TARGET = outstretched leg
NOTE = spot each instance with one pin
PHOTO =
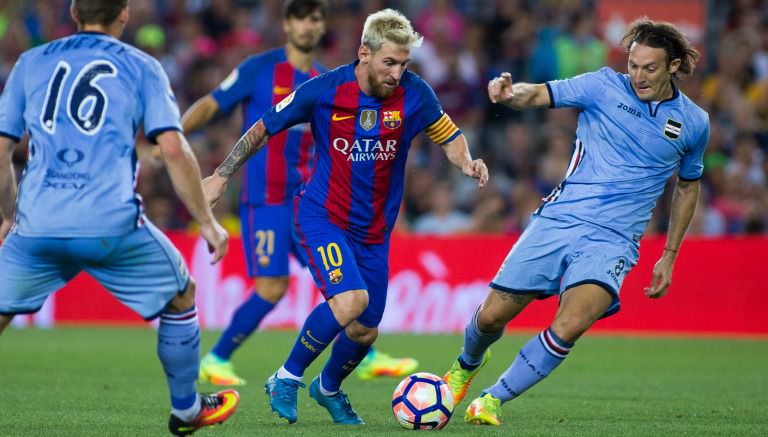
(580, 307)
(485, 328)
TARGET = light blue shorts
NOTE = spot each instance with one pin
(553, 256)
(142, 269)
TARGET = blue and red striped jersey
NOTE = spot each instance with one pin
(272, 176)
(361, 147)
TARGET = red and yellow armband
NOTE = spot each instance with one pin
(443, 130)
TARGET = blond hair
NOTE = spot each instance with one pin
(389, 25)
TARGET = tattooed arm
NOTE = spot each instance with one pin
(250, 143)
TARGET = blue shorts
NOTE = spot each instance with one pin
(338, 264)
(142, 269)
(267, 239)
(552, 256)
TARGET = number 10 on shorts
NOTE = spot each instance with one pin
(332, 259)
(331, 255)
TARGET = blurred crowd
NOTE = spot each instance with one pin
(466, 43)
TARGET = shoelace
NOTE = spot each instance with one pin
(344, 405)
(211, 401)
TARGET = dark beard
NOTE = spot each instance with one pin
(306, 48)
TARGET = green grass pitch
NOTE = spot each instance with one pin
(107, 382)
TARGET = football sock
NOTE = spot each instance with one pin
(188, 414)
(245, 320)
(284, 374)
(178, 347)
(345, 356)
(537, 359)
(318, 332)
(323, 391)
(476, 342)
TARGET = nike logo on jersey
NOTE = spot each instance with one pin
(281, 90)
(337, 117)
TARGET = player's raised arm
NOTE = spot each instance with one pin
(199, 114)
(250, 143)
(517, 95)
(185, 176)
(7, 186)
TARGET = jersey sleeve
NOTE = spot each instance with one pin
(237, 86)
(578, 91)
(12, 104)
(438, 124)
(161, 112)
(297, 107)
(692, 163)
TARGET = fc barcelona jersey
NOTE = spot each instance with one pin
(361, 147)
(260, 81)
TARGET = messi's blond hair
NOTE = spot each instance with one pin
(389, 25)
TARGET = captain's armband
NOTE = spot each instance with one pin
(443, 130)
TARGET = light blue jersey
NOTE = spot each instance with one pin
(82, 100)
(625, 151)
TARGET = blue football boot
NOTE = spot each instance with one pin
(338, 405)
(282, 396)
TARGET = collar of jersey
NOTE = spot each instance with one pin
(93, 32)
(652, 110)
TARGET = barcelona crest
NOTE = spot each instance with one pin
(391, 119)
(335, 276)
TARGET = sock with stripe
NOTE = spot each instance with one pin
(244, 321)
(345, 356)
(178, 347)
(476, 342)
(318, 332)
(535, 360)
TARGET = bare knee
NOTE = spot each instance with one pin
(348, 306)
(571, 327)
(361, 334)
(272, 288)
(489, 320)
(184, 300)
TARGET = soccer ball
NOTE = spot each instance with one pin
(422, 401)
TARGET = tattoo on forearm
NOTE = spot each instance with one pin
(245, 147)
